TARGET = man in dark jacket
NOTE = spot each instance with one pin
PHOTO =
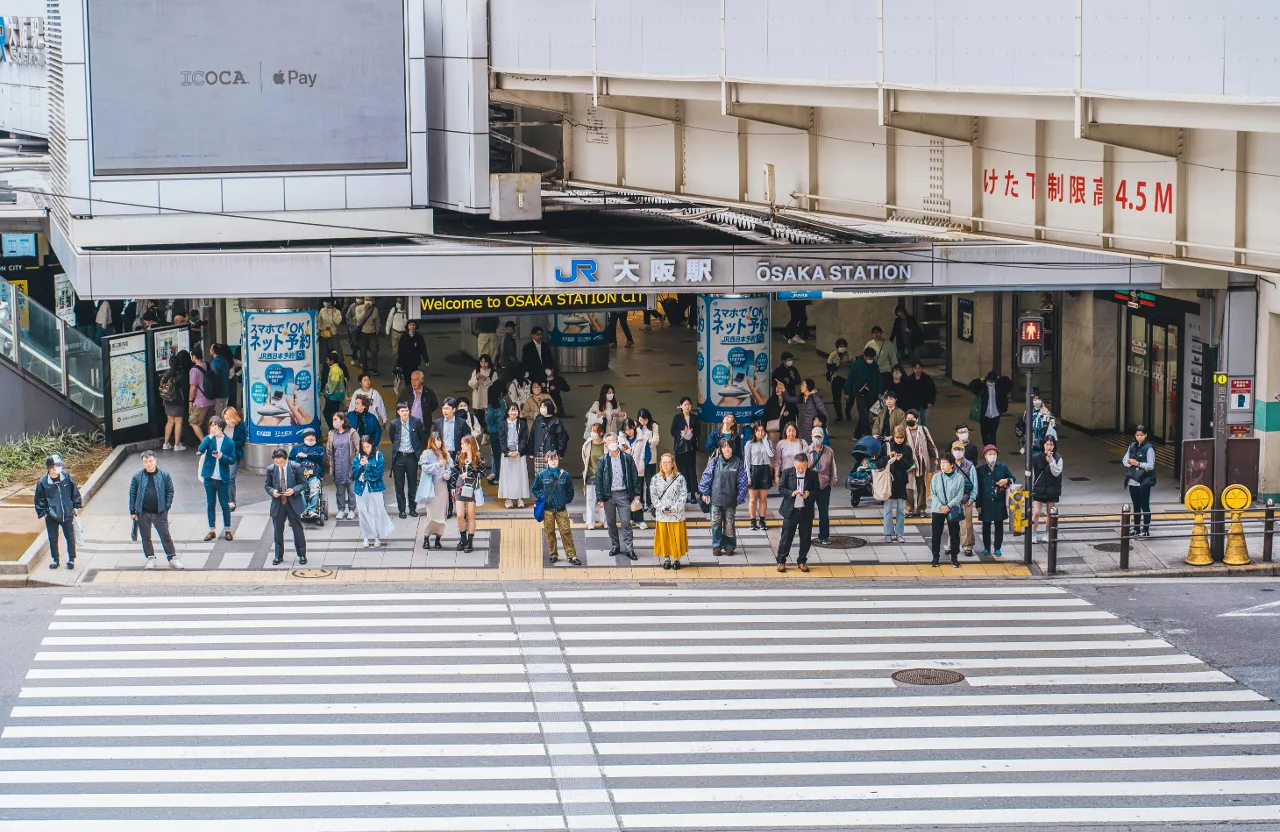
(554, 486)
(57, 502)
(862, 387)
(451, 427)
(539, 363)
(919, 393)
(150, 498)
(285, 484)
(787, 373)
(412, 352)
(990, 401)
(508, 357)
(617, 484)
(408, 437)
(797, 487)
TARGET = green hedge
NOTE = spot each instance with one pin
(29, 452)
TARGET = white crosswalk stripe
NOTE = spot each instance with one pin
(611, 709)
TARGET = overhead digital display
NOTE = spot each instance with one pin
(206, 86)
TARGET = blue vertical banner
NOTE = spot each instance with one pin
(282, 395)
(733, 357)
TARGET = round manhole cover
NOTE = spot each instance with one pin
(313, 573)
(1107, 547)
(845, 541)
(928, 676)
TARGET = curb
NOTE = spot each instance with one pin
(39, 548)
(1262, 570)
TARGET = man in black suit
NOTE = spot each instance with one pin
(450, 427)
(285, 484)
(539, 362)
(508, 359)
(408, 437)
(799, 487)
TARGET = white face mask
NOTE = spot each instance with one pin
(337, 424)
(842, 350)
(789, 362)
(991, 459)
(958, 454)
(962, 435)
(817, 439)
(57, 469)
(1035, 404)
(613, 447)
(543, 411)
(609, 397)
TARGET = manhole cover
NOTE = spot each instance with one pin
(313, 573)
(845, 541)
(1107, 547)
(928, 676)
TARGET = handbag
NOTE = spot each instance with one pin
(881, 484)
(975, 409)
(878, 407)
(540, 509)
(772, 426)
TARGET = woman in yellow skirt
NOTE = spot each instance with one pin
(669, 491)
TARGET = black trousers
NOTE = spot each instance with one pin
(986, 533)
(286, 514)
(68, 529)
(864, 416)
(801, 520)
(404, 469)
(822, 505)
(799, 323)
(989, 428)
(161, 522)
(616, 318)
(953, 528)
(686, 464)
(1141, 497)
(837, 396)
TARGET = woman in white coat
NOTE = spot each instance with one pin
(433, 490)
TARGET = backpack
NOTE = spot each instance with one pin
(211, 383)
(169, 391)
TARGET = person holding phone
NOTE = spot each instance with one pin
(368, 470)
(684, 432)
(217, 454)
(285, 484)
(797, 488)
(470, 470)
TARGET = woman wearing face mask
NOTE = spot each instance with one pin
(781, 409)
(513, 483)
(592, 450)
(894, 383)
(433, 490)
(994, 479)
(342, 446)
(926, 456)
(838, 363)
(758, 455)
(1046, 485)
(897, 456)
(959, 456)
(684, 433)
(548, 434)
(1042, 424)
(728, 430)
(607, 411)
(647, 429)
(669, 491)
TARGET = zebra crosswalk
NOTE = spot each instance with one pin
(625, 709)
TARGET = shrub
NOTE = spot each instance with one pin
(29, 452)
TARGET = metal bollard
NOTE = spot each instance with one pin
(1268, 530)
(1053, 541)
(1126, 515)
(1029, 530)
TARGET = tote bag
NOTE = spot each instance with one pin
(881, 484)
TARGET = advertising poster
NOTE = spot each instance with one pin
(734, 364)
(170, 342)
(64, 298)
(128, 381)
(579, 329)
(282, 396)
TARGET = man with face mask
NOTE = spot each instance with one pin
(329, 327)
(970, 471)
(368, 320)
(990, 401)
(994, 479)
(822, 462)
(837, 367)
(617, 484)
(787, 373)
(554, 487)
(723, 487)
(863, 387)
(970, 450)
(57, 502)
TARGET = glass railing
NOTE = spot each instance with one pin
(49, 350)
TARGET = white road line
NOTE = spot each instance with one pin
(803, 725)
(664, 621)
(278, 775)
(935, 818)
(268, 752)
(287, 654)
(793, 636)
(829, 768)
(876, 664)
(719, 685)
(659, 607)
(292, 609)
(521, 823)
(300, 625)
(289, 598)
(1031, 700)
(274, 638)
(299, 729)
(1201, 677)
(210, 709)
(318, 689)
(222, 671)
(231, 800)
(928, 647)
(801, 593)
(951, 791)
(811, 745)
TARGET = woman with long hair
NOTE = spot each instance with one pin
(758, 454)
(177, 382)
(607, 411)
(368, 470)
(684, 435)
(513, 483)
(470, 466)
(669, 492)
(341, 449)
(239, 433)
(433, 496)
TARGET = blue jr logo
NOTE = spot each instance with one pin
(587, 268)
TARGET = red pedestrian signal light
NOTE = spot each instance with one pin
(1032, 330)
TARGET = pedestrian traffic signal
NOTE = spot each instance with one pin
(1031, 342)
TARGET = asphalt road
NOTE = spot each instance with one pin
(718, 707)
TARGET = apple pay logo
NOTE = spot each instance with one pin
(294, 77)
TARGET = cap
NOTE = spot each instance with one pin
(52, 460)
(511, 324)
(307, 432)
(991, 448)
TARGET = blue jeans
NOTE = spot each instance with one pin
(889, 527)
(219, 490)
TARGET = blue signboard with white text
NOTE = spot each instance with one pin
(282, 396)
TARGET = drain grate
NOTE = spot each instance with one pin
(928, 676)
(844, 541)
(1107, 547)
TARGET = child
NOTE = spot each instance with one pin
(310, 457)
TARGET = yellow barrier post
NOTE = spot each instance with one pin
(1198, 499)
(1236, 498)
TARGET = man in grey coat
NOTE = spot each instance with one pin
(617, 484)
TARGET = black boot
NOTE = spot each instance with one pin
(935, 561)
(438, 546)
(462, 540)
(470, 541)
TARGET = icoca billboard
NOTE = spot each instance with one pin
(208, 86)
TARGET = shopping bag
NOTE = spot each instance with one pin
(881, 484)
(79, 531)
(540, 509)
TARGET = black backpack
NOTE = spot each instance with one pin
(211, 386)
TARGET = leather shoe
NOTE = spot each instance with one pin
(631, 555)
(302, 560)
(413, 512)
(277, 561)
(804, 567)
(782, 567)
(403, 515)
(210, 536)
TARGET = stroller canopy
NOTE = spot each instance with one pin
(867, 447)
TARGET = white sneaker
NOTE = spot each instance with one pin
(174, 563)
(510, 504)
(364, 541)
(798, 340)
(179, 447)
(168, 446)
(644, 525)
(376, 543)
(520, 503)
(351, 514)
(151, 563)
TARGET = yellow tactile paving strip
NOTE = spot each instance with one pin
(521, 560)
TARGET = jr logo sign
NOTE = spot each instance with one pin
(587, 268)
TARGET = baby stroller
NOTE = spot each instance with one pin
(316, 509)
(858, 482)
